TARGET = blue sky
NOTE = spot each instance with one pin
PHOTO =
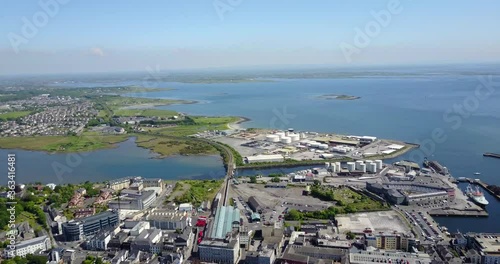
(100, 36)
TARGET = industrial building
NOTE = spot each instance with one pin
(255, 204)
(30, 246)
(311, 254)
(276, 185)
(265, 158)
(119, 184)
(222, 244)
(409, 193)
(133, 200)
(487, 245)
(390, 241)
(100, 241)
(372, 255)
(224, 251)
(168, 220)
(225, 220)
(152, 182)
(75, 230)
(149, 240)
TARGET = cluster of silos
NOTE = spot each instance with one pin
(360, 166)
(273, 138)
(283, 137)
(373, 166)
(333, 167)
(351, 166)
(365, 166)
(314, 144)
(342, 149)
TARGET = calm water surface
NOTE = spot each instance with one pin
(408, 109)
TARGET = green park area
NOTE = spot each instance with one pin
(195, 191)
(169, 146)
(13, 115)
(81, 143)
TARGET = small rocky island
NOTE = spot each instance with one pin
(338, 97)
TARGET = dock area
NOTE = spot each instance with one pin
(460, 213)
(485, 186)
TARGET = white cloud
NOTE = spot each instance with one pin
(97, 52)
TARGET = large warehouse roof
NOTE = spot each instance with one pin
(224, 219)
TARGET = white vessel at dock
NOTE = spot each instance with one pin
(476, 195)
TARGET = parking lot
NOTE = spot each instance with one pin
(384, 221)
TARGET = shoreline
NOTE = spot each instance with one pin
(237, 125)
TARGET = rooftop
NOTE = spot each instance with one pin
(488, 242)
(223, 221)
(30, 242)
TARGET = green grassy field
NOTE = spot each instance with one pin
(145, 112)
(166, 147)
(14, 114)
(201, 124)
(198, 191)
(62, 143)
(118, 102)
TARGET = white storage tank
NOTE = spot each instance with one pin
(326, 155)
(371, 167)
(358, 164)
(333, 168)
(302, 135)
(379, 164)
(362, 167)
(295, 137)
(280, 134)
(351, 166)
(327, 165)
(323, 146)
(286, 140)
(337, 166)
(273, 138)
(339, 150)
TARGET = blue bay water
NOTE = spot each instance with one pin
(407, 109)
(98, 166)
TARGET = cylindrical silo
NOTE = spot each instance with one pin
(333, 168)
(362, 167)
(379, 164)
(273, 138)
(337, 166)
(358, 164)
(351, 166)
(286, 140)
(371, 167)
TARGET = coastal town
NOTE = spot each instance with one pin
(337, 213)
(348, 205)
